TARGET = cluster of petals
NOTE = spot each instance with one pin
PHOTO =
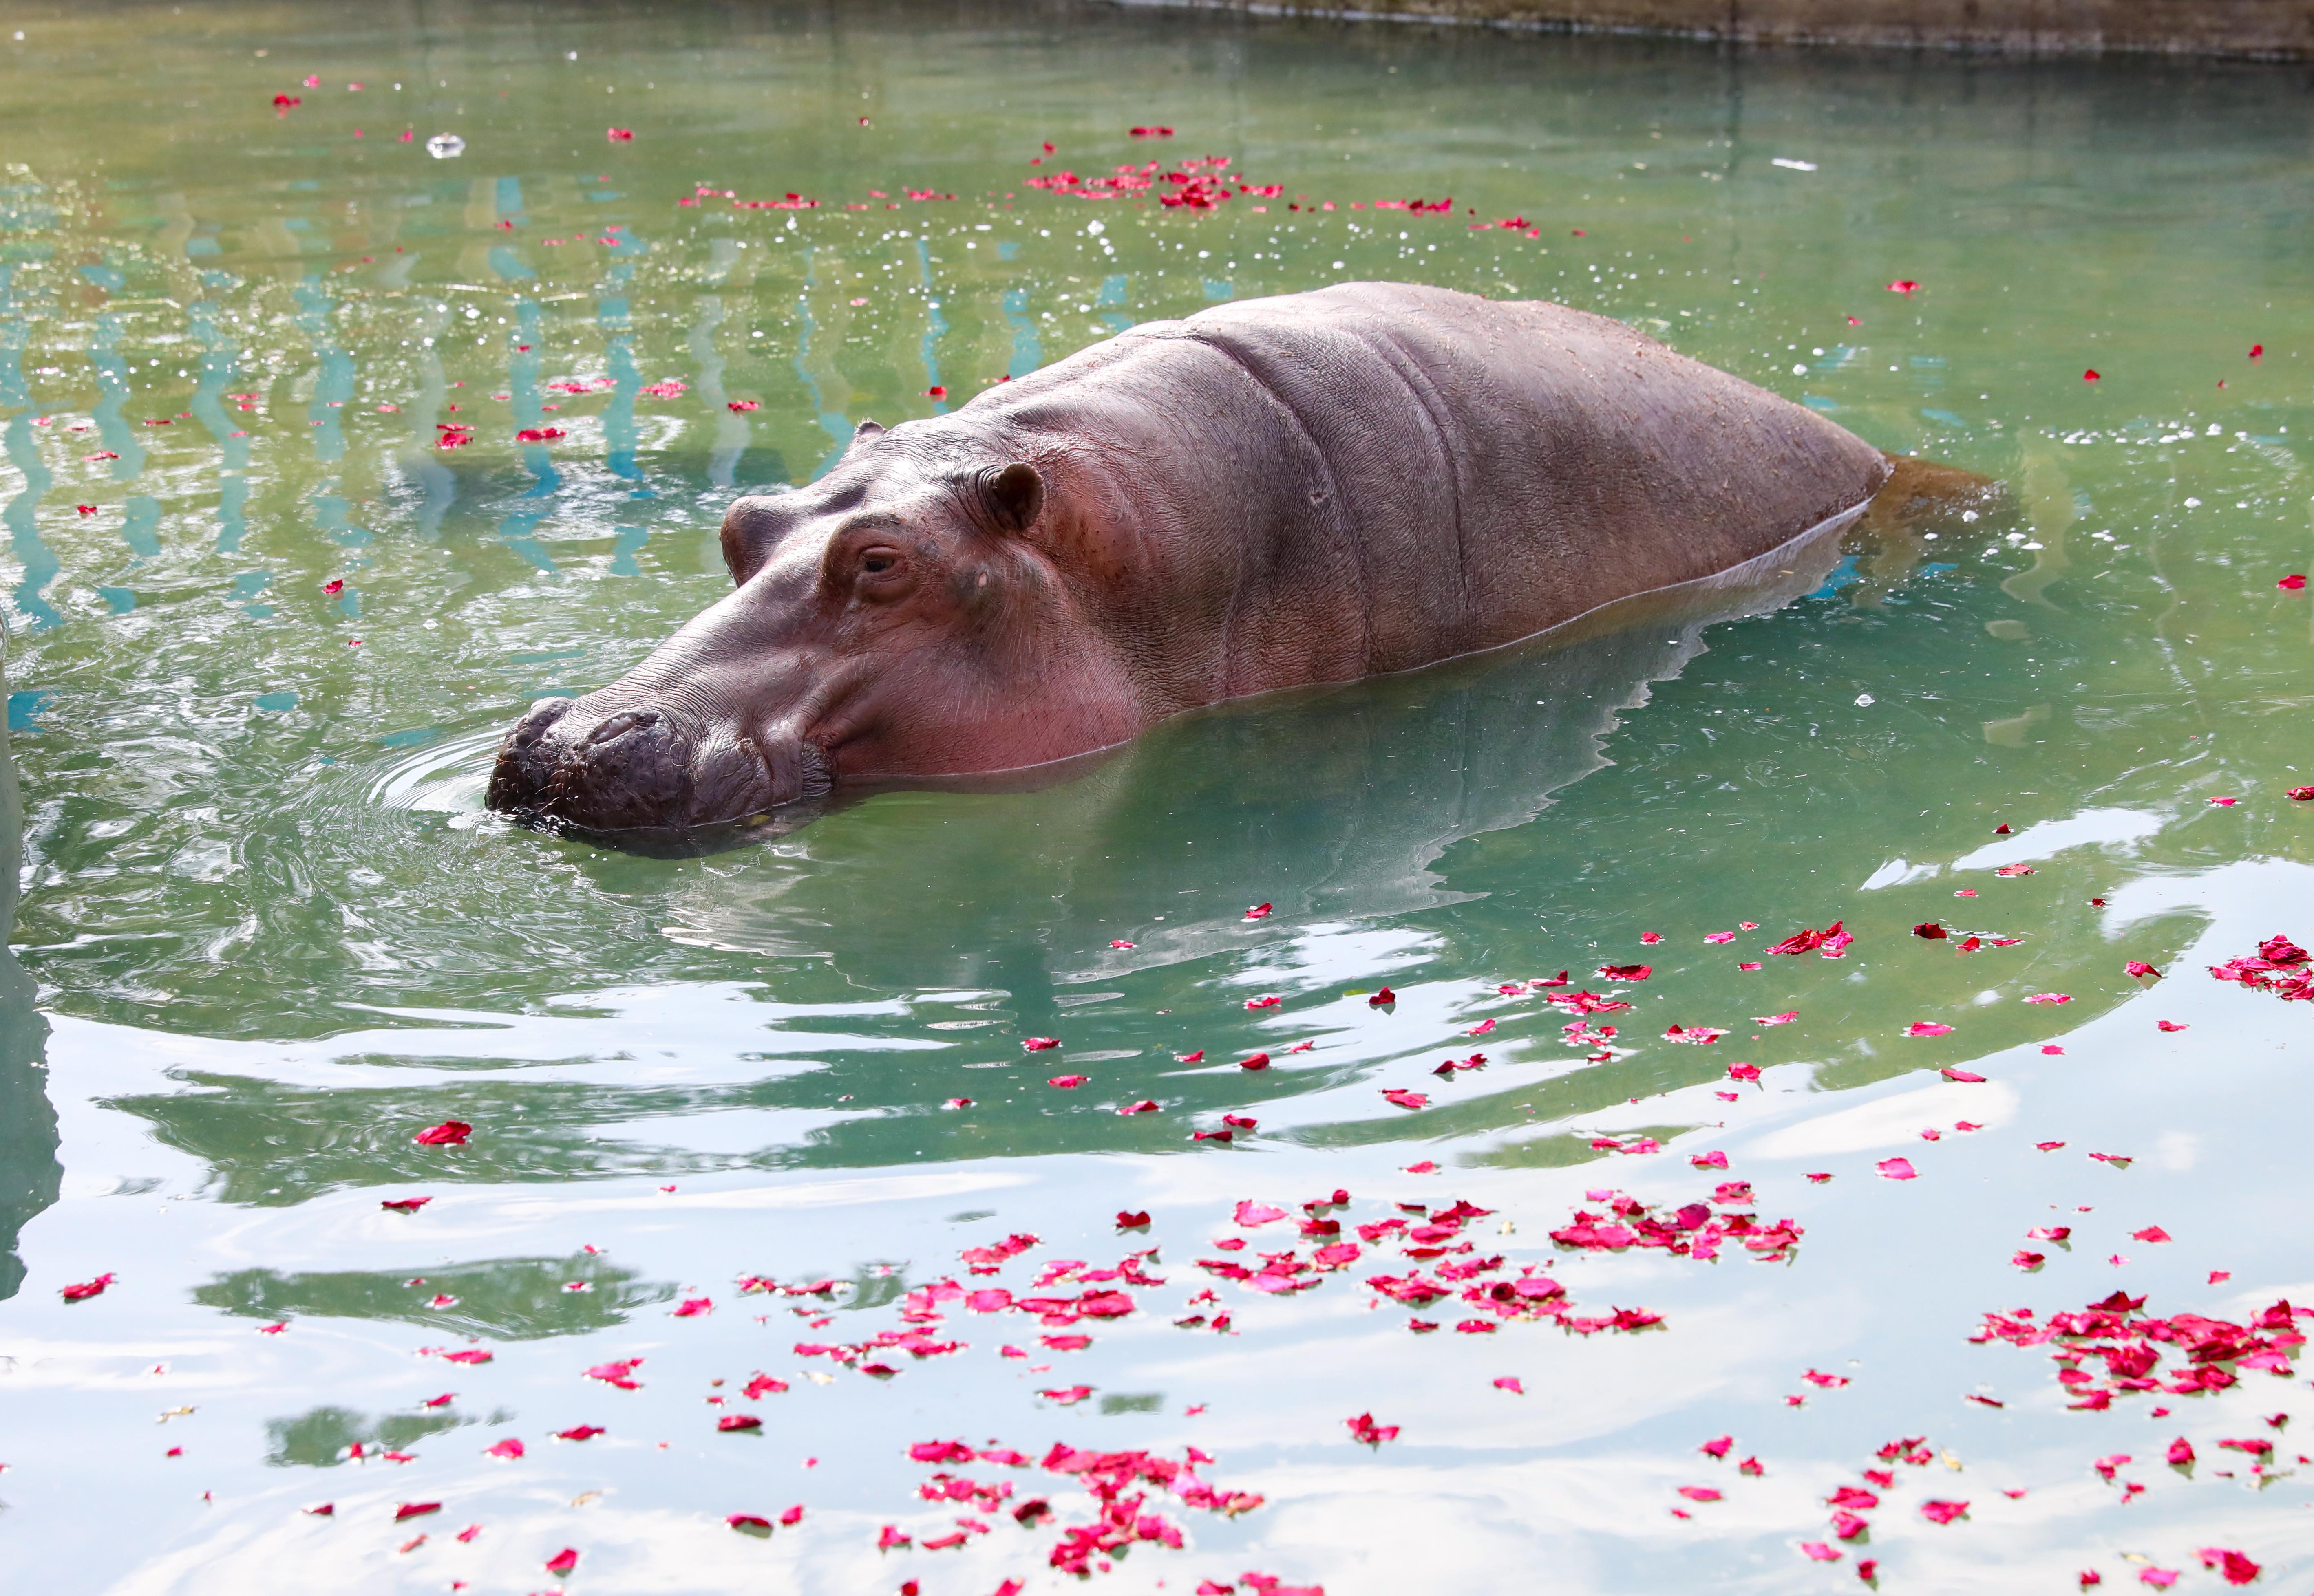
(2117, 1333)
(2281, 966)
(1692, 1230)
(1112, 1479)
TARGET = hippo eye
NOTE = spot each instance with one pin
(878, 560)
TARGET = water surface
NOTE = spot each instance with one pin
(264, 934)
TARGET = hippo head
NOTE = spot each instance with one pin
(904, 617)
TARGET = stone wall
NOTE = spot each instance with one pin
(2267, 30)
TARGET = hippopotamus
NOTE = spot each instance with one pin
(1273, 493)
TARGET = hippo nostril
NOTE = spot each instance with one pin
(523, 767)
(621, 724)
(633, 769)
(536, 721)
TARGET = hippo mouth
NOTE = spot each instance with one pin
(648, 778)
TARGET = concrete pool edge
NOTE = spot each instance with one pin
(2239, 30)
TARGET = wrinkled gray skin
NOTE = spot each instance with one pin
(1309, 488)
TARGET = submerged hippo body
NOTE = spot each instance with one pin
(1310, 488)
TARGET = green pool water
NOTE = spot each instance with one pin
(265, 628)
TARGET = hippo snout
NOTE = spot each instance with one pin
(526, 760)
(635, 768)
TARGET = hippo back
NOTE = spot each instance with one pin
(1373, 477)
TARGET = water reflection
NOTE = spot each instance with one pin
(30, 1174)
(501, 1299)
(40, 563)
(325, 1437)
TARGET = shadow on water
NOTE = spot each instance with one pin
(1334, 804)
(30, 1174)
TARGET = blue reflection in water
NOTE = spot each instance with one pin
(522, 386)
(1116, 290)
(24, 709)
(245, 588)
(219, 363)
(1028, 351)
(419, 465)
(731, 429)
(140, 526)
(333, 384)
(1841, 575)
(619, 415)
(333, 515)
(21, 515)
(522, 370)
(517, 530)
(111, 370)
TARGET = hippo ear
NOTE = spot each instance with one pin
(1015, 494)
(865, 433)
(751, 528)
